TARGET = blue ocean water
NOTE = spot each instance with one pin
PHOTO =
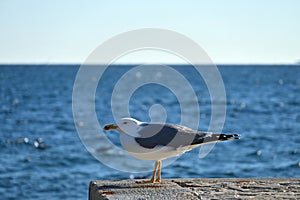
(42, 156)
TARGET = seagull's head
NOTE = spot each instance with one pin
(124, 125)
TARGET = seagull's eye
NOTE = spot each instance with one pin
(125, 122)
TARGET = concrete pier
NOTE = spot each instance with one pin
(198, 188)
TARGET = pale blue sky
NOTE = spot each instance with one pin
(230, 31)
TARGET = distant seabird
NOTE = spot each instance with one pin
(158, 141)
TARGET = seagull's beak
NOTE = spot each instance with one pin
(110, 127)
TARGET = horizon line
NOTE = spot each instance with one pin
(170, 63)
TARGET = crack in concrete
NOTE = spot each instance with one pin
(191, 191)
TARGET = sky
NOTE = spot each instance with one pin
(231, 31)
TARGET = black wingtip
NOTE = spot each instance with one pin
(236, 136)
(229, 137)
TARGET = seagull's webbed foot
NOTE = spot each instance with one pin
(147, 181)
(158, 180)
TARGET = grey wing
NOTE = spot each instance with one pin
(155, 134)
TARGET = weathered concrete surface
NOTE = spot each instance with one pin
(206, 188)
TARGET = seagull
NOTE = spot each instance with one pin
(159, 141)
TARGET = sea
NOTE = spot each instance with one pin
(42, 155)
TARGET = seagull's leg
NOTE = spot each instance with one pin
(156, 166)
(158, 172)
(152, 180)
